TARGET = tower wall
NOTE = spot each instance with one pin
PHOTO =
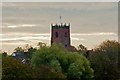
(60, 33)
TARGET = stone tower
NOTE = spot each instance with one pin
(60, 33)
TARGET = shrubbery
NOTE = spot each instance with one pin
(55, 62)
(71, 64)
(104, 60)
(15, 70)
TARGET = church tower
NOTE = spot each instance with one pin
(60, 33)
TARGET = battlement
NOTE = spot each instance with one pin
(60, 26)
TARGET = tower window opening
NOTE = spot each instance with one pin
(65, 34)
(56, 34)
(66, 45)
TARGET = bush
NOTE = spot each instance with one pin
(71, 64)
(14, 69)
(105, 60)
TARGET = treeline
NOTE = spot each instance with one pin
(55, 62)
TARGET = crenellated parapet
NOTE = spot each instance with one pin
(60, 26)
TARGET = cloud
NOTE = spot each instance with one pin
(72, 34)
(77, 39)
(23, 25)
(27, 37)
(12, 26)
(60, 1)
(14, 41)
(28, 25)
(24, 39)
(84, 17)
(95, 34)
(74, 5)
(30, 22)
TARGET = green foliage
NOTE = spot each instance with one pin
(44, 72)
(13, 69)
(71, 64)
(19, 49)
(56, 62)
(0, 65)
(4, 54)
(82, 49)
(46, 56)
(30, 51)
(79, 67)
(41, 44)
(105, 59)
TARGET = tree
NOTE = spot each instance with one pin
(71, 64)
(1, 65)
(82, 49)
(13, 70)
(105, 59)
(41, 44)
(79, 67)
(45, 72)
(30, 51)
(4, 54)
(19, 49)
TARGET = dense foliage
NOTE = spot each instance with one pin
(72, 65)
(14, 69)
(56, 63)
(104, 60)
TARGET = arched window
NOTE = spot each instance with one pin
(65, 34)
(56, 34)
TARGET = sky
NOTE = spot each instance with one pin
(29, 22)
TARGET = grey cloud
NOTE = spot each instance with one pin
(61, 1)
(36, 29)
(67, 5)
(84, 18)
(14, 41)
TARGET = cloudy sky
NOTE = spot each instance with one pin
(29, 22)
